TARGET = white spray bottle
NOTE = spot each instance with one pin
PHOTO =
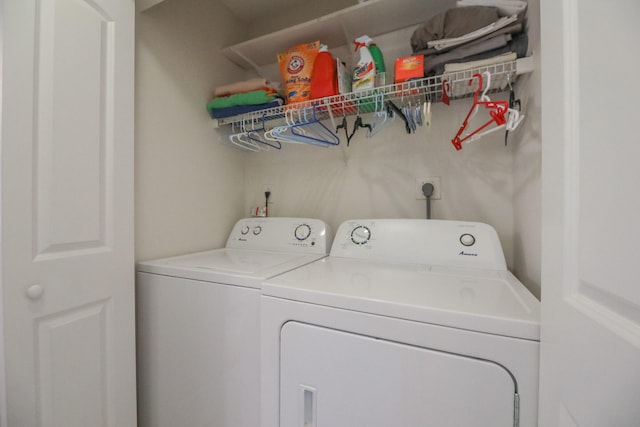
(364, 73)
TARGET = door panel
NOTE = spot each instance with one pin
(73, 130)
(590, 299)
(80, 331)
(606, 151)
(67, 212)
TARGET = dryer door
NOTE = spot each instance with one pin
(332, 378)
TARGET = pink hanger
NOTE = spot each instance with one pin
(497, 111)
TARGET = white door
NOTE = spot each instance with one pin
(590, 352)
(67, 212)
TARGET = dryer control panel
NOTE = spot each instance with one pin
(430, 242)
(305, 235)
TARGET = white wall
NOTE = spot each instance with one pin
(527, 169)
(3, 383)
(375, 178)
(189, 188)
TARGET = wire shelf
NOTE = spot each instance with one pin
(413, 92)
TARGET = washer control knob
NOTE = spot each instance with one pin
(360, 235)
(467, 239)
(303, 231)
(257, 230)
(244, 230)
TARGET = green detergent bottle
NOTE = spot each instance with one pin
(381, 72)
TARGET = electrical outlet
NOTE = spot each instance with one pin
(435, 181)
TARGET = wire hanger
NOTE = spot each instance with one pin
(497, 111)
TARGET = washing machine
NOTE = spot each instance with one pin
(407, 323)
(198, 323)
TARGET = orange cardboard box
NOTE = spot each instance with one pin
(409, 67)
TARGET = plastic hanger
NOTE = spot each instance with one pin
(408, 113)
(282, 133)
(497, 111)
(381, 118)
(307, 130)
(343, 125)
(446, 92)
(325, 106)
(254, 135)
(357, 124)
(400, 114)
(240, 140)
(514, 117)
(418, 117)
(319, 132)
(427, 112)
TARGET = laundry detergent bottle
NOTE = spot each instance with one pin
(378, 60)
(364, 73)
(324, 80)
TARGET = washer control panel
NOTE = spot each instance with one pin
(430, 242)
(306, 235)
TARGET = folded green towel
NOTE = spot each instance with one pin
(256, 97)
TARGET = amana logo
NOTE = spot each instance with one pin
(467, 253)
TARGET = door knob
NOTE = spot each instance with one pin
(34, 292)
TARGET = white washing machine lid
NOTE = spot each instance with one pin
(241, 267)
(487, 301)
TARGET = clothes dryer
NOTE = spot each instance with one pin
(198, 323)
(406, 323)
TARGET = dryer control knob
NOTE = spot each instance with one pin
(257, 230)
(360, 235)
(467, 239)
(303, 231)
(244, 230)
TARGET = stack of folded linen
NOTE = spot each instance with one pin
(244, 97)
(475, 30)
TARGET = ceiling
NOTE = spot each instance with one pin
(254, 10)
(250, 10)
